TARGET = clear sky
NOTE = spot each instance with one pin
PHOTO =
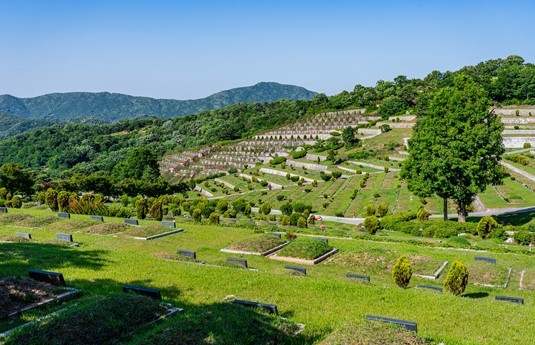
(191, 49)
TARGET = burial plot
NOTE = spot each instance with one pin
(409, 325)
(240, 262)
(359, 277)
(131, 221)
(153, 293)
(187, 253)
(296, 269)
(270, 308)
(25, 235)
(64, 215)
(54, 278)
(510, 299)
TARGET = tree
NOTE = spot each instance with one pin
(15, 178)
(402, 272)
(141, 208)
(348, 136)
(51, 199)
(156, 211)
(457, 278)
(141, 163)
(456, 146)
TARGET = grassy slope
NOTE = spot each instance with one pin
(323, 300)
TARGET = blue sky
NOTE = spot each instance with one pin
(188, 50)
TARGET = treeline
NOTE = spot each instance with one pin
(63, 151)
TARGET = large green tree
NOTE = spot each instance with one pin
(15, 178)
(456, 146)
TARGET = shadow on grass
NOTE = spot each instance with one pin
(517, 218)
(475, 295)
(18, 258)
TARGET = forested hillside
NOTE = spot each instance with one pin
(111, 107)
(63, 150)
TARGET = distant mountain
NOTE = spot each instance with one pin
(113, 106)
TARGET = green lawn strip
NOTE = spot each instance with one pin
(527, 168)
(96, 320)
(491, 198)
(522, 179)
(305, 248)
(391, 180)
(486, 273)
(520, 192)
(528, 279)
(103, 264)
(257, 244)
(341, 199)
(282, 180)
(317, 204)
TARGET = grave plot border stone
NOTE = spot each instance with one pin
(97, 218)
(271, 308)
(359, 277)
(64, 215)
(409, 325)
(25, 235)
(238, 261)
(153, 293)
(304, 261)
(435, 275)
(518, 300)
(153, 237)
(129, 221)
(54, 278)
(69, 294)
(486, 259)
(430, 287)
(504, 285)
(3, 209)
(266, 253)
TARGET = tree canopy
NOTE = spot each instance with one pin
(456, 146)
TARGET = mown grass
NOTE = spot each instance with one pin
(257, 244)
(325, 301)
(305, 248)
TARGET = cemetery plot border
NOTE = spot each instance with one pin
(271, 308)
(409, 325)
(54, 278)
(315, 261)
(65, 296)
(153, 293)
(504, 285)
(153, 237)
(435, 275)
(266, 253)
(361, 277)
(430, 287)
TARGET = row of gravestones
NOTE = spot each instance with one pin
(65, 215)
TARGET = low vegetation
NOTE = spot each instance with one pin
(305, 248)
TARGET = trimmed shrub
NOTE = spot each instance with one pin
(422, 213)
(141, 208)
(382, 209)
(16, 202)
(247, 210)
(214, 218)
(457, 278)
(298, 154)
(196, 215)
(485, 226)
(371, 224)
(265, 208)
(336, 174)
(51, 199)
(302, 222)
(370, 210)
(156, 211)
(523, 237)
(402, 272)
(285, 220)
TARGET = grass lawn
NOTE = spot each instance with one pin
(325, 300)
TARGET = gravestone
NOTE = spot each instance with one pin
(3, 209)
(153, 293)
(432, 287)
(97, 218)
(489, 260)
(241, 262)
(270, 308)
(510, 299)
(131, 221)
(54, 278)
(64, 237)
(297, 269)
(25, 235)
(276, 234)
(64, 215)
(169, 224)
(187, 253)
(358, 276)
(409, 325)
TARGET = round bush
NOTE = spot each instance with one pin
(457, 278)
(372, 224)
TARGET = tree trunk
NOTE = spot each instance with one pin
(462, 212)
(445, 208)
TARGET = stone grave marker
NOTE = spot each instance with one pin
(510, 299)
(276, 234)
(432, 287)
(25, 235)
(153, 293)
(483, 258)
(271, 308)
(64, 237)
(169, 224)
(187, 253)
(241, 262)
(358, 276)
(409, 325)
(297, 269)
(97, 218)
(64, 215)
(3, 209)
(54, 278)
(131, 221)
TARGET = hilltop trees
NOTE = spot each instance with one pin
(456, 146)
(14, 178)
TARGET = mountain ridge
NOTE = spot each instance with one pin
(113, 107)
